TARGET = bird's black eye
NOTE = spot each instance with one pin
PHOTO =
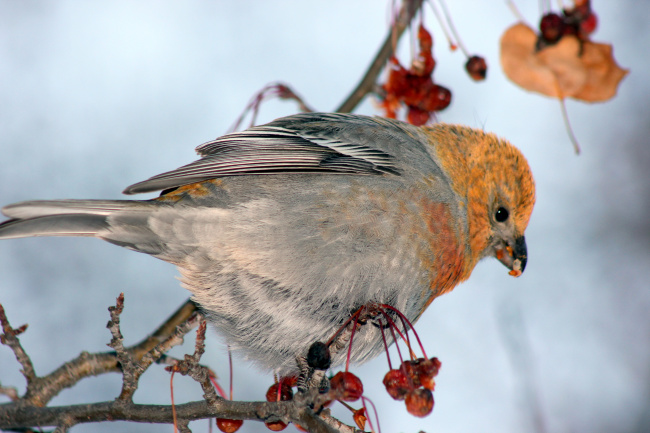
(501, 215)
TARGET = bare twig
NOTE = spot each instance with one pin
(21, 415)
(190, 366)
(367, 83)
(130, 368)
(10, 392)
(9, 337)
(42, 389)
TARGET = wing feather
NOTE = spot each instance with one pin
(279, 147)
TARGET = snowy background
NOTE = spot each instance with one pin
(95, 96)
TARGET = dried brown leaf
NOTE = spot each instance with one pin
(603, 73)
(581, 70)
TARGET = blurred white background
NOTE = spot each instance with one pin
(95, 96)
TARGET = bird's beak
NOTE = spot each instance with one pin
(514, 256)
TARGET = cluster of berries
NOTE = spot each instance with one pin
(579, 21)
(414, 87)
(413, 382)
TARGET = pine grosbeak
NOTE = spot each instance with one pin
(283, 230)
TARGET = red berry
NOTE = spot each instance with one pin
(419, 402)
(438, 98)
(424, 38)
(417, 116)
(397, 81)
(397, 384)
(552, 27)
(427, 369)
(589, 24)
(423, 65)
(421, 371)
(410, 370)
(347, 386)
(476, 68)
(285, 392)
(229, 425)
(570, 30)
(275, 425)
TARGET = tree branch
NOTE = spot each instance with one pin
(14, 416)
(367, 83)
(9, 337)
(40, 390)
(30, 411)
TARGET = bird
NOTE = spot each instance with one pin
(281, 231)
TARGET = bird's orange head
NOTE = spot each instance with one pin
(495, 182)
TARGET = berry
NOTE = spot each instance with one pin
(426, 370)
(589, 24)
(319, 356)
(410, 370)
(476, 68)
(397, 384)
(438, 98)
(229, 425)
(397, 81)
(551, 27)
(347, 386)
(421, 372)
(275, 425)
(417, 117)
(286, 393)
(419, 402)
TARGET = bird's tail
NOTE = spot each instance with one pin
(121, 222)
(57, 218)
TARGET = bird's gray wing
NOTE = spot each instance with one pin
(304, 143)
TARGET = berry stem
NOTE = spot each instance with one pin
(443, 26)
(230, 366)
(515, 11)
(393, 32)
(403, 317)
(406, 330)
(383, 338)
(345, 324)
(567, 125)
(347, 406)
(452, 28)
(374, 409)
(171, 390)
(399, 352)
(218, 387)
(354, 328)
